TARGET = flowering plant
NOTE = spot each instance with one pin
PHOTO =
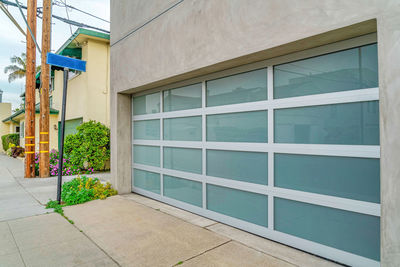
(67, 167)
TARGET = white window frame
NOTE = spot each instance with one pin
(362, 151)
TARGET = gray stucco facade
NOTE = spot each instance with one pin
(158, 42)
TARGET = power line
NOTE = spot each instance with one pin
(68, 21)
(27, 24)
(66, 11)
(61, 4)
(145, 23)
(8, 14)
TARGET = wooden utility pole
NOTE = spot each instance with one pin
(44, 137)
(30, 92)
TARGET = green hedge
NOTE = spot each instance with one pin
(9, 138)
(89, 148)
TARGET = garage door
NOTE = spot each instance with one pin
(287, 149)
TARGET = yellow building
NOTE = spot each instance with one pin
(6, 128)
(16, 124)
(88, 96)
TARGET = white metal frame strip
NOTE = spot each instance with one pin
(161, 146)
(359, 151)
(203, 143)
(270, 95)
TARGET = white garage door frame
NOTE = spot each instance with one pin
(362, 151)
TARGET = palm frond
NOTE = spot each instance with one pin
(15, 75)
(12, 68)
(18, 69)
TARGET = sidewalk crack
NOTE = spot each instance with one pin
(15, 241)
(195, 256)
(105, 252)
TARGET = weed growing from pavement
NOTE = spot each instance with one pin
(80, 190)
(53, 204)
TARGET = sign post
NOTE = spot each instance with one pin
(66, 63)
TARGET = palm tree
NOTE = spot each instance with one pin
(18, 68)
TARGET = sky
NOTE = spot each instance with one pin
(12, 42)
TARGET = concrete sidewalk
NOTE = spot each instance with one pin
(48, 240)
(29, 236)
(15, 201)
(21, 197)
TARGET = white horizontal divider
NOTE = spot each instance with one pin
(361, 151)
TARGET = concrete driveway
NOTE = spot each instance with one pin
(138, 231)
(124, 230)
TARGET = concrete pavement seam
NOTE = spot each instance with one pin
(195, 256)
(96, 244)
(29, 193)
(15, 241)
(263, 252)
(28, 216)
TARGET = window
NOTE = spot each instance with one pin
(22, 130)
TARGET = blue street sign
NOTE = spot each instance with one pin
(66, 62)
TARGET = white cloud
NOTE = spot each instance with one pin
(12, 98)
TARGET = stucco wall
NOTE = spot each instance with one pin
(98, 71)
(88, 94)
(5, 111)
(198, 34)
(200, 37)
(76, 92)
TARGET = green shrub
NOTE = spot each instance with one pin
(90, 146)
(8, 139)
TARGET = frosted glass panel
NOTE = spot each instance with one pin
(148, 155)
(149, 181)
(183, 129)
(146, 104)
(251, 167)
(349, 231)
(244, 87)
(356, 178)
(183, 98)
(350, 69)
(148, 130)
(183, 159)
(183, 190)
(350, 124)
(238, 127)
(242, 205)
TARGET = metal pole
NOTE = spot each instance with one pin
(61, 144)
